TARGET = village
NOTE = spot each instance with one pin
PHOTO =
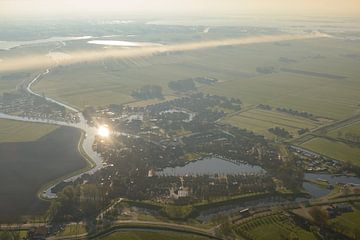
(21, 103)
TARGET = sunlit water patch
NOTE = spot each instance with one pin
(123, 43)
(212, 165)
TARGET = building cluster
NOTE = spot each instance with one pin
(339, 209)
(29, 106)
(314, 162)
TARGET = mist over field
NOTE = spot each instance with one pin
(36, 61)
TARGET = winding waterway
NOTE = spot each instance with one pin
(90, 133)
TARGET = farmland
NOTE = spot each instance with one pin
(260, 121)
(339, 132)
(334, 149)
(309, 79)
(41, 161)
(339, 141)
(12, 131)
(273, 227)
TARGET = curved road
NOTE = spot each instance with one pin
(90, 133)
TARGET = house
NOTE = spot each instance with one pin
(334, 211)
(182, 192)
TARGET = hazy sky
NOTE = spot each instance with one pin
(48, 8)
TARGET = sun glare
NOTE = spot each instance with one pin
(103, 131)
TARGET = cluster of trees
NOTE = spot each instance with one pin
(206, 80)
(264, 106)
(88, 113)
(296, 113)
(148, 92)
(75, 203)
(281, 132)
(291, 175)
(303, 130)
(182, 85)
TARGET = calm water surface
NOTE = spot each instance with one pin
(317, 191)
(212, 165)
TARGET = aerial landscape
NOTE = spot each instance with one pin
(197, 120)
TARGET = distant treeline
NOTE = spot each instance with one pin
(288, 111)
(189, 84)
(349, 137)
(265, 70)
(148, 92)
(264, 106)
(206, 80)
(297, 113)
(182, 85)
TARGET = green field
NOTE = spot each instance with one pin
(151, 235)
(72, 229)
(143, 103)
(18, 234)
(7, 85)
(353, 128)
(259, 121)
(322, 96)
(14, 131)
(112, 80)
(274, 227)
(334, 149)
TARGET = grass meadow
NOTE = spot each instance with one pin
(259, 121)
(14, 131)
(334, 149)
(352, 128)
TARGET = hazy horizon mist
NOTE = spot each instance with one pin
(14, 9)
